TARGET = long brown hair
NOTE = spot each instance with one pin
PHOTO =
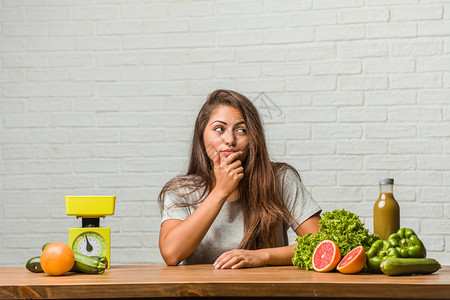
(260, 190)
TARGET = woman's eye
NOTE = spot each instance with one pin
(219, 129)
(242, 130)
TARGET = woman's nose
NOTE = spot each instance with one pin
(230, 139)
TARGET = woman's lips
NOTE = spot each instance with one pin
(228, 152)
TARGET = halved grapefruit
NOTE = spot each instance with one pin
(326, 256)
(353, 262)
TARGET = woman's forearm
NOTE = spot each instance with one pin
(279, 256)
(180, 238)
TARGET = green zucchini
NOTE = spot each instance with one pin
(409, 266)
(34, 265)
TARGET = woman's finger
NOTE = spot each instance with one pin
(216, 159)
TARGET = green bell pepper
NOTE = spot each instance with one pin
(402, 244)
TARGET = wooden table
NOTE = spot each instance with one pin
(159, 281)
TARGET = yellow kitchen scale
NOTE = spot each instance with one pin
(90, 239)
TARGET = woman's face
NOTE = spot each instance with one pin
(226, 132)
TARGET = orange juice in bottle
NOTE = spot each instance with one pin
(386, 211)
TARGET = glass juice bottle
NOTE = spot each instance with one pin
(386, 211)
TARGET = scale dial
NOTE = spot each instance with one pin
(90, 243)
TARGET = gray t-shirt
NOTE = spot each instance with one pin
(227, 230)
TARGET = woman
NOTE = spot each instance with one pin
(234, 206)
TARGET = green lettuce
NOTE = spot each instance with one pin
(341, 226)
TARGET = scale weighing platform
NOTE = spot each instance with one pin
(90, 239)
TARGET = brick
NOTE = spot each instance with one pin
(310, 147)
(363, 82)
(434, 131)
(326, 4)
(434, 28)
(312, 52)
(434, 162)
(97, 135)
(337, 194)
(71, 29)
(12, 136)
(27, 182)
(287, 5)
(142, 135)
(439, 97)
(81, 89)
(414, 114)
(49, 167)
(12, 15)
(257, 54)
(144, 11)
(49, 44)
(116, 90)
(427, 80)
(435, 227)
(433, 243)
(151, 240)
(340, 33)
(26, 120)
(338, 67)
(144, 165)
(363, 179)
(311, 83)
(24, 29)
(336, 131)
(255, 85)
(312, 18)
(418, 47)
(215, 24)
(336, 162)
(390, 65)
(11, 76)
(202, 55)
(72, 181)
(253, 22)
(96, 166)
(191, 9)
(403, 162)
(417, 178)
(239, 7)
(416, 147)
(119, 120)
(95, 13)
(12, 106)
(126, 240)
(433, 64)
(13, 227)
(47, 75)
(73, 119)
(24, 152)
(310, 115)
(390, 2)
(71, 151)
(12, 168)
(390, 131)
(321, 178)
(362, 114)
(188, 72)
(286, 36)
(364, 15)
(237, 70)
(104, 43)
(240, 38)
(48, 226)
(117, 151)
(362, 147)
(359, 49)
(289, 69)
(418, 12)
(390, 98)
(287, 132)
(47, 14)
(29, 60)
(175, 149)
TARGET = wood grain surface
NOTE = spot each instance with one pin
(159, 281)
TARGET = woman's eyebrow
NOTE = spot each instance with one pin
(225, 123)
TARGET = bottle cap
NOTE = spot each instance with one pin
(386, 181)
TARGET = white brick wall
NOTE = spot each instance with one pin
(100, 96)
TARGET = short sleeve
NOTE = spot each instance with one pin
(297, 199)
(172, 210)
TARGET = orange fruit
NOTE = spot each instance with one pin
(326, 256)
(353, 262)
(57, 259)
